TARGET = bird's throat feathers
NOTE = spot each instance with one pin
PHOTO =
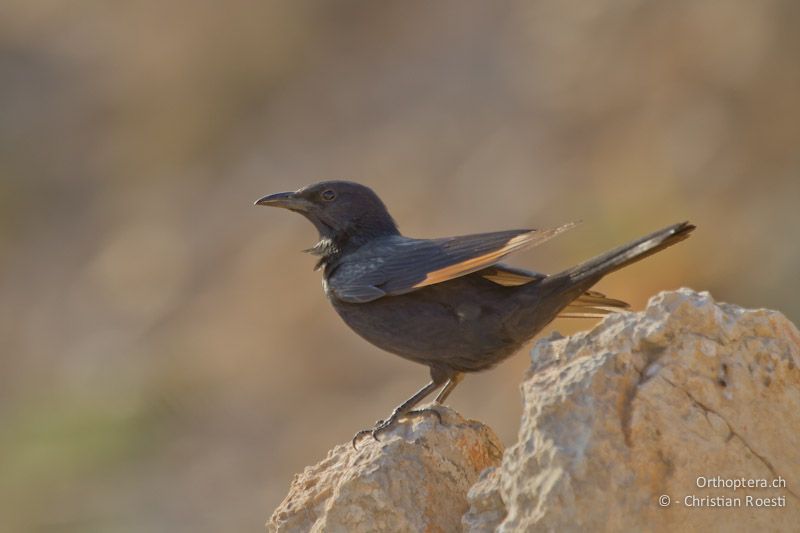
(326, 249)
(333, 242)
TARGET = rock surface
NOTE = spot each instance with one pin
(415, 479)
(616, 420)
(640, 407)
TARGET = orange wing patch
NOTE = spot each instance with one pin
(476, 263)
(508, 279)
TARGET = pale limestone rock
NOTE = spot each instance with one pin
(614, 418)
(415, 479)
(640, 407)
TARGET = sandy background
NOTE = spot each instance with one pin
(168, 358)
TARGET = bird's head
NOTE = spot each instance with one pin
(340, 210)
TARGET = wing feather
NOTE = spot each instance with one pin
(510, 276)
(478, 262)
(397, 265)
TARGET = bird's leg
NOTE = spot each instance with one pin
(399, 411)
(454, 380)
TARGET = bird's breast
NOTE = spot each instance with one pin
(460, 323)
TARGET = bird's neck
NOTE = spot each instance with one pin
(335, 243)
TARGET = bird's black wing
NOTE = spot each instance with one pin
(397, 265)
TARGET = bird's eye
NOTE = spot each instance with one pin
(329, 195)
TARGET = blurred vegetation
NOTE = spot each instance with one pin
(168, 358)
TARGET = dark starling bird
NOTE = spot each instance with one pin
(446, 303)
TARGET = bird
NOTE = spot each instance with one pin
(447, 303)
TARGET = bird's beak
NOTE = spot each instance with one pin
(286, 200)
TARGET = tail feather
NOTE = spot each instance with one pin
(593, 304)
(624, 255)
(565, 293)
(571, 285)
(595, 298)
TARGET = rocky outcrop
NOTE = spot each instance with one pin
(621, 421)
(415, 478)
(669, 419)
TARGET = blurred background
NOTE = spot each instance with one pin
(168, 358)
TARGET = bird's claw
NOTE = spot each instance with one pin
(380, 425)
(363, 433)
(383, 425)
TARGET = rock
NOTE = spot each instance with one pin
(415, 479)
(666, 403)
(677, 402)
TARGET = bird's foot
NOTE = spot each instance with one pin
(379, 426)
(384, 425)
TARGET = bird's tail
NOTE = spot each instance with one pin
(629, 253)
(579, 278)
(593, 304)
